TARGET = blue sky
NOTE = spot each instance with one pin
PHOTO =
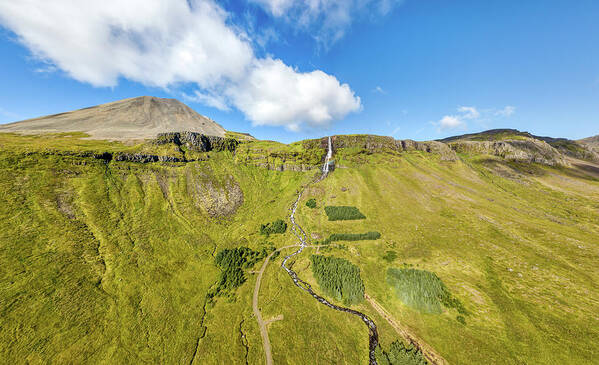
(288, 70)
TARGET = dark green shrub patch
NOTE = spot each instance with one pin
(232, 262)
(278, 226)
(422, 290)
(400, 354)
(338, 278)
(390, 256)
(311, 203)
(343, 213)
(351, 237)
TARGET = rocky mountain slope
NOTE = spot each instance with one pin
(129, 119)
(592, 142)
(514, 145)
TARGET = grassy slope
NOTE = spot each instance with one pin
(471, 227)
(113, 262)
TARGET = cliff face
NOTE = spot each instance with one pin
(197, 141)
(375, 144)
(528, 150)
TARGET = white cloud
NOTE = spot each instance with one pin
(464, 113)
(327, 19)
(213, 100)
(276, 94)
(166, 43)
(468, 112)
(276, 7)
(506, 111)
(451, 122)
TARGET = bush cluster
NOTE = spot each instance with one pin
(311, 203)
(351, 237)
(278, 226)
(400, 354)
(232, 262)
(338, 278)
(343, 213)
(390, 256)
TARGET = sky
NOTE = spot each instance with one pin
(288, 70)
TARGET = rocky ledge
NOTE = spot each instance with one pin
(197, 141)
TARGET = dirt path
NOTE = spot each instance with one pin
(261, 322)
(430, 355)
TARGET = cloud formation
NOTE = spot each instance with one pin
(468, 112)
(506, 111)
(465, 113)
(167, 43)
(451, 122)
(328, 20)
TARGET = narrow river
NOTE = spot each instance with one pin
(297, 230)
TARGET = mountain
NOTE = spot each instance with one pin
(169, 250)
(129, 119)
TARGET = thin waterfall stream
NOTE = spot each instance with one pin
(297, 230)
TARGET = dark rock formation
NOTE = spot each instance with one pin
(145, 158)
(197, 141)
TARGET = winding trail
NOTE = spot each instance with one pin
(261, 322)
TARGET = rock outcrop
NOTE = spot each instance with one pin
(527, 150)
(145, 158)
(197, 141)
(218, 196)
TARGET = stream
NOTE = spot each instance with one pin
(297, 230)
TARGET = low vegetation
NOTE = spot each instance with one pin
(400, 354)
(351, 237)
(278, 226)
(343, 213)
(422, 290)
(232, 262)
(390, 256)
(311, 203)
(338, 278)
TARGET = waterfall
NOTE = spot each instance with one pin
(325, 168)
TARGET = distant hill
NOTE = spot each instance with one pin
(490, 135)
(129, 119)
(525, 142)
(591, 141)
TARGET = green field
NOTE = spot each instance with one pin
(107, 261)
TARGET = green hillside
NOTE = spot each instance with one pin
(119, 261)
